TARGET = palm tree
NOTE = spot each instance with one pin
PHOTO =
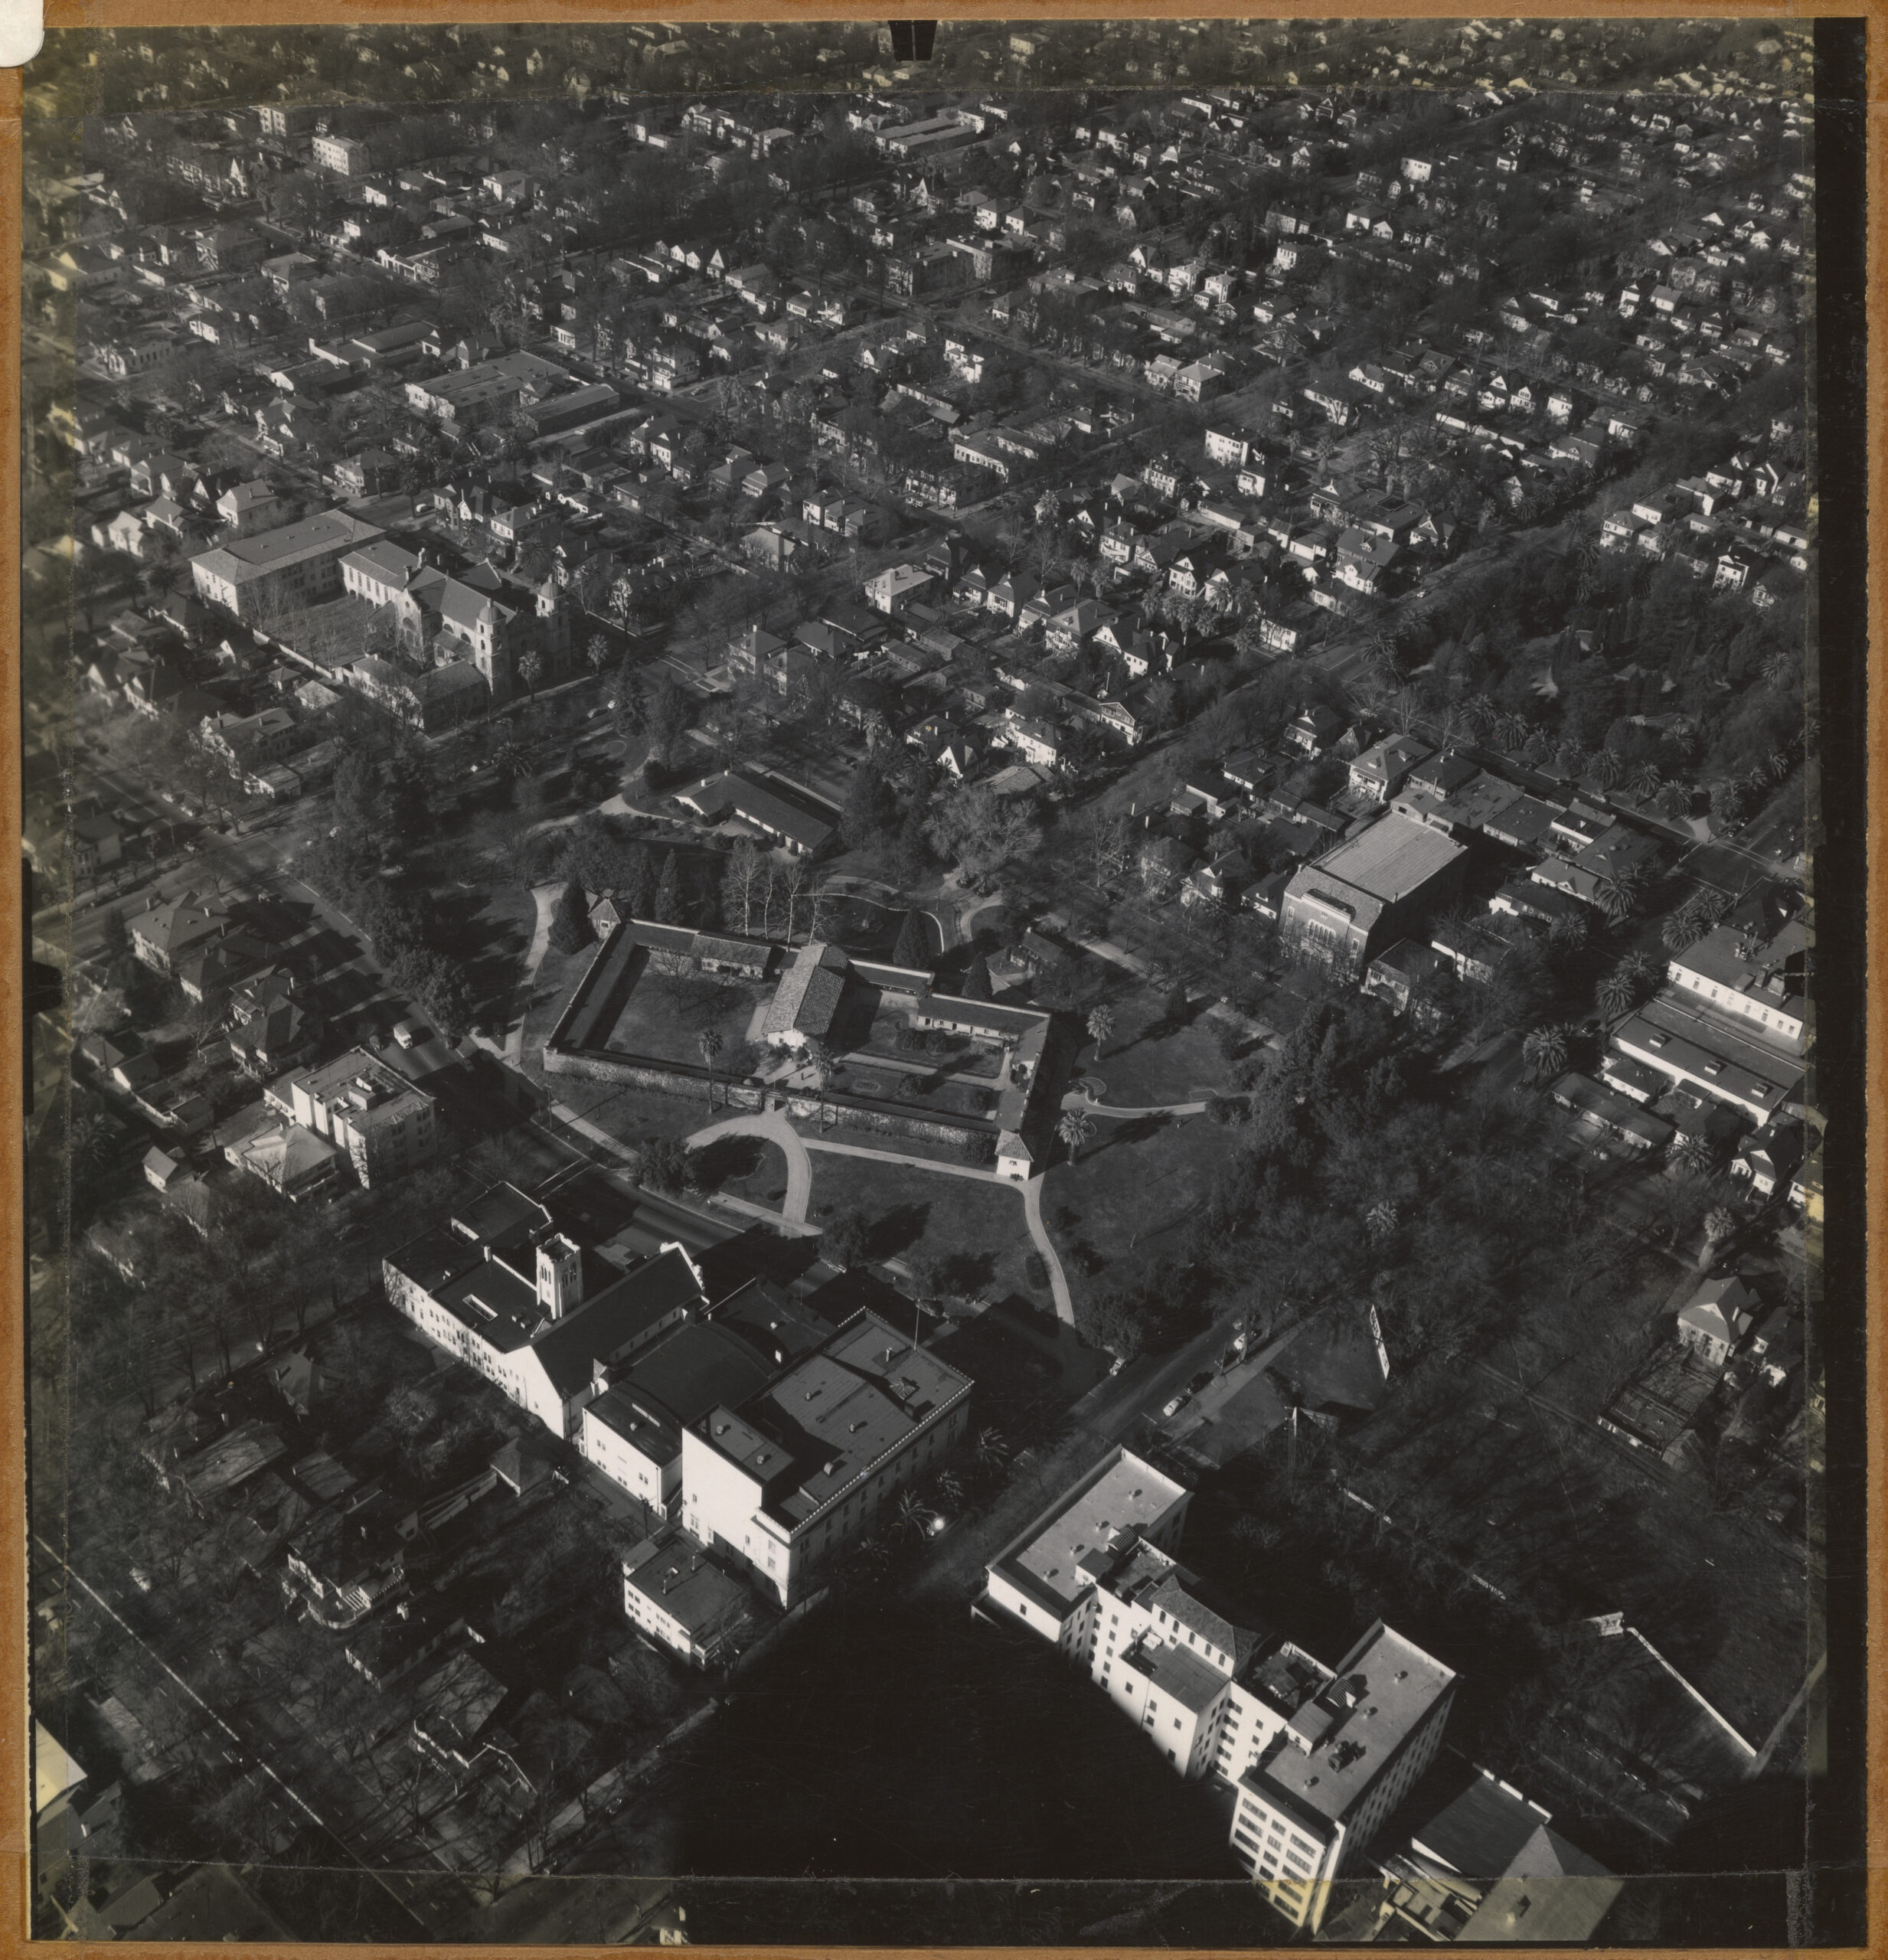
(1681, 930)
(1075, 1128)
(1615, 994)
(1101, 1024)
(1510, 730)
(710, 1043)
(912, 1517)
(1478, 715)
(1643, 971)
(820, 1063)
(1645, 781)
(1696, 1153)
(1608, 769)
(1545, 1052)
(990, 1450)
(1619, 892)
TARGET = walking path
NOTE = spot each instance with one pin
(1076, 1099)
(771, 1127)
(546, 896)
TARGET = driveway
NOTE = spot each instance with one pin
(546, 896)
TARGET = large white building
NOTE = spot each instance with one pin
(1750, 970)
(282, 571)
(500, 1287)
(791, 1477)
(1316, 1758)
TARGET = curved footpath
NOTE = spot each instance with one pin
(771, 1127)
(546, 896)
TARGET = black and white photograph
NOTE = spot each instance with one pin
(942, 938)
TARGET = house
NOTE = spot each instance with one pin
(806, 1002)
(1485, 1868)
(173, 929)
(122, 1059)
(1314, 730)
(1767, 1158)
(1718, 1319)
(793, 818)
(1382, 769)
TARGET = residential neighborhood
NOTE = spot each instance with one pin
(933, 888)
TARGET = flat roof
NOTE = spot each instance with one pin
(1395, 856)
(1120, 1496)
(687, 1585)
(1378, 1695)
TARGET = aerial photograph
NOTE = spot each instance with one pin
(923, 959)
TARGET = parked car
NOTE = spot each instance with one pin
(1179, 1402)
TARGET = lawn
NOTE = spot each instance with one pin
(666, 1015)
(975, 1228)
(1150, 1059)
(1136, 1181)
(745, 1167)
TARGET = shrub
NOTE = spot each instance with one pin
(1036, 1270)
(939, 1041)
(914, 1085)
(910, 1040)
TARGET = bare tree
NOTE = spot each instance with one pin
(793, 882)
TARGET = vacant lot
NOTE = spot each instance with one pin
(974, 1227)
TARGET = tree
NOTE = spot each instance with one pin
(571, 920)
(710, 1043)
(842, 1239)
(663, 1165)
(1101, 1024)
(1545, 1052)
(738, 886)
(1075, 1127)
(976, 985)
(1696, 1153)
(1614, 994)
(1619, 893)
(531, 670)
(870, 817)
(596, 653)
(914, 944)
(820, 1063)
(981, 832)
(666, 908)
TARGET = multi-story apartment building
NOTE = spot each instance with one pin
(386, 1125)
(282, 571)
(1316, 1758)
(502, 1288)
(798, 1473)
(1330, 1773)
